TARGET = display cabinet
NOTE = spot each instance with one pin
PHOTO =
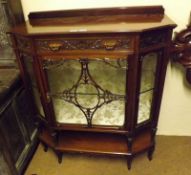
(18, 132)
(97, 77)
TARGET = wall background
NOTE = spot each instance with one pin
(175, 114)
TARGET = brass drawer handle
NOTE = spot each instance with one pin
(55, 46)
(110, 44)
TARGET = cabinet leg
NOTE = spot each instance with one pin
(45, 147)
(55, 136)
(152, 148)
(59, 155)
(150, 153)
(129, 162)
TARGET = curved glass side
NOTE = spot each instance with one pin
(148, 72)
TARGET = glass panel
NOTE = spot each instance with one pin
(28, 62)
(88, 91)
(4, 26)
(148, 71)
(110, 74)
(68, 113)
(25, 112)
(4, 168)
(29, 69)
(37, 100)
(110, 114)
(13, 132)
(145, 101)
(63, 74)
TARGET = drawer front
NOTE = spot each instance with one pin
(59, 45)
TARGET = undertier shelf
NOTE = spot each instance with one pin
(98, 143)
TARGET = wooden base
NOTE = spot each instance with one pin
(98, 143)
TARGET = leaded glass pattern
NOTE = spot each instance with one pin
(88, 91)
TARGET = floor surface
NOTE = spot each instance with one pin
(172, 157)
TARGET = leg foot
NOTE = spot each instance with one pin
(59, 155)
(45, 147)
(129, 162)
(150, 153)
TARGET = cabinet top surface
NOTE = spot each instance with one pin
(125, 20)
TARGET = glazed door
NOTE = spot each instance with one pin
(88, 91)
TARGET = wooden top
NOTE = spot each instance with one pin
(110, 20)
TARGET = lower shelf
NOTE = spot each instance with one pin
(98, 143)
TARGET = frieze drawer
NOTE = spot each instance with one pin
(81, 44)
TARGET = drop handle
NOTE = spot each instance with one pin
(55, 46)
(110, 44)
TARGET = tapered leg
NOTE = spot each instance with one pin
(59, 155)
(129, 157)
(129, 162)
(150, 153)
(152, 148)
(45, 147)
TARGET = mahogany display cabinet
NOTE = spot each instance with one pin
(97, 77)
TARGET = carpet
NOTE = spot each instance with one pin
(171, 157)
